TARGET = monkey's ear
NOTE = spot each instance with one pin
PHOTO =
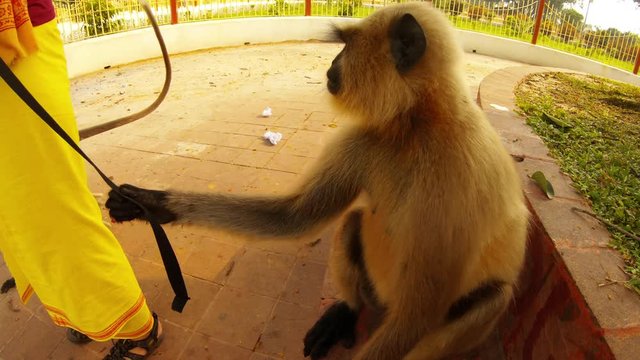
(408, 42)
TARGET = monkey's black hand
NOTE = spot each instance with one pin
(122, 209)
(337, 324)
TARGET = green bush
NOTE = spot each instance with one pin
(547, 27)
(476, 12)
(280, 8)
(456, 7)
(345, 8)
(489, 14)
(441, 4)
(98, 17)
(567, 32)
(519, 24)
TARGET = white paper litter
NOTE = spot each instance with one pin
(499, 107)
(273, 137)
(267, 112)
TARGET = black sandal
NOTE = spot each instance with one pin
(77, 337)
(121, 348)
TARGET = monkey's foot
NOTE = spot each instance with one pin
(337, 324)
(122, 209)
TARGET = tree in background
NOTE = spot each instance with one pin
(573, 16)
(558, 4)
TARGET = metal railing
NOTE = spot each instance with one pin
(532, 21)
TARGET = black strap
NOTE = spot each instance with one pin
(166, 251)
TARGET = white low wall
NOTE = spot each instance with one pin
(538, 55)
(94, 54)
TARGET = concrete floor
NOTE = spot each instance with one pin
(250, 299)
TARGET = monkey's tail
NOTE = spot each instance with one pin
(95, 130)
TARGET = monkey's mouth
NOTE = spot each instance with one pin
(333, 79)
(333, 86)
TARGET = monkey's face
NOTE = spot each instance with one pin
(390, 60)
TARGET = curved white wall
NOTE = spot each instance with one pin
(94, 54)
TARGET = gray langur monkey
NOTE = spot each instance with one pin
(439, 242)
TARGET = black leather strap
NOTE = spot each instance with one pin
(169, 259)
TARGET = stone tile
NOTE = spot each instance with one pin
(188, 149)
(261, 272)
(13, 316)
(530, 146)
(566, 227)
(317, 248)
(202, 294)
(238, 141)
(284, 334)
(254, 129)
(151, 278)
(320, 121)
(218, 126)
(70, 351)
(263, 145)
(272, 182)
(257, 356)
(561, 183)
(289, 163)
(279, 246)
(225, 178)
(209, 258)
(175, 340)
(237, 317)
(221, 154)
(624, 343)
(253, 158)
(37, 340)
(181, 247)
(304, 286)
(291, 118)
(592, 270)
(305, 143)
(133, 236)
(203, 347)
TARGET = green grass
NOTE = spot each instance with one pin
(601, 149)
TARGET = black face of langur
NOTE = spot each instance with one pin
(368, 73)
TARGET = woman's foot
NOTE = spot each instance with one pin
(127, 349)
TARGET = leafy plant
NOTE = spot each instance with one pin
(98, 17)
(476, 12)
(456, 7)
(591, 127)
(519, 24)
(547, 27)
(567, 31)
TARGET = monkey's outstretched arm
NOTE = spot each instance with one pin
(324, 195)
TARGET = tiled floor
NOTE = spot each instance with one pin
(251, 299)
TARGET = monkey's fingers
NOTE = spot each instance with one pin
(121, 209)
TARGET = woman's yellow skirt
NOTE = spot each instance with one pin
(51, 232)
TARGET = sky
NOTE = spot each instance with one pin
(623, 15)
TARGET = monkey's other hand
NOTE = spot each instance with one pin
(122, 209)
(337, 324)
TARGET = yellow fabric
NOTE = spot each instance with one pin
(51, 231)
(16, 33)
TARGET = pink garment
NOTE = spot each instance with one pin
(41, 11)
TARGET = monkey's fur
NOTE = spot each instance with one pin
(439, 242)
